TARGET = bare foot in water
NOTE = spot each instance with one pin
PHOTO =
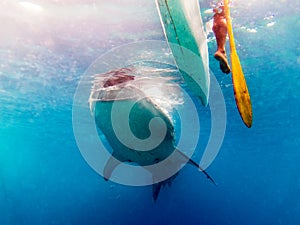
(221, 57)
(220, 31)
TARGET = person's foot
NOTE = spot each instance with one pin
(221, 57)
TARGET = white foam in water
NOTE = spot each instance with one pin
(31, 6)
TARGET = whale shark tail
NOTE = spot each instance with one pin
(155, 190)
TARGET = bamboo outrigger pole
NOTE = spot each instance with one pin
(241, 94)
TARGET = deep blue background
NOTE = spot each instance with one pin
(45, 180)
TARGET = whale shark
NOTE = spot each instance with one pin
(123, 110)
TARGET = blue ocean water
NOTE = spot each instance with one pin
(46, 47)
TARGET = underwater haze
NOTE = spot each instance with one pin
(45, 49)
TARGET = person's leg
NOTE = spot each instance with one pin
(220, 31)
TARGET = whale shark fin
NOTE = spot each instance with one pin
(111, 164)
(202, 170)
(192, 162)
